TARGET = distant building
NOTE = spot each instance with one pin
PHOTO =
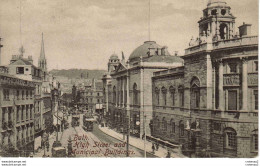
(128, 86)
(89, 97)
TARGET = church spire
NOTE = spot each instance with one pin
(42, 54)
(42, 63)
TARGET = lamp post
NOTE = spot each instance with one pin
(55, 92)
(144, 135)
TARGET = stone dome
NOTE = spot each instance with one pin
(113, 56)
(216, 3)
(143, 50)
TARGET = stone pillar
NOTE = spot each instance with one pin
(6, 114)
(1, 123)
(244, 84)
(123, 91)
(142, 112)
(220, 87)
(213, 28)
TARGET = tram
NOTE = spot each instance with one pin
(75, 120)
(88, 121)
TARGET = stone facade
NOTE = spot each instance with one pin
(219, 112)
(17, 116)
(128, 87)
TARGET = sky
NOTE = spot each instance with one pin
(85, 33)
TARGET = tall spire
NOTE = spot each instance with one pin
(42, 54)
(42, 62)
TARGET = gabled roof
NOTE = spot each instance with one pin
(120, 67)
(21, 61)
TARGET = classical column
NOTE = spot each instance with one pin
(244, 84)
(128, 113)
(220, 87)
(6, 115)
(123, 91)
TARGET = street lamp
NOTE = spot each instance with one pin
(144, 135)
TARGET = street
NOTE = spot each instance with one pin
(93, 144)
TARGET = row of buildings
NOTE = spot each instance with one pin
(205, 100)
(88, 96)
(25, 103)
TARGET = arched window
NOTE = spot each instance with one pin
(181, 128)
(230, 136)
(164, 124)
(114, 95)
(181, 96)
(172, 126)
(135, 91)
(157, 96)
(164, 95)
(172, 91)
(254, 141)
(223, 31)
(195, 93)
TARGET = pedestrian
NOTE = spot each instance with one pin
(157, 146)
(47, 146)
(153, 148)
(168, 154)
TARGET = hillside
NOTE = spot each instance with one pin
(76, 73)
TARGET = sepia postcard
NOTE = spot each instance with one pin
(120, 78)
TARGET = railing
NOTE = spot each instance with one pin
(231, 79)
(252, 79)
(169, 71)
(249, 40)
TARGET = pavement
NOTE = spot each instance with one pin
(139, 143)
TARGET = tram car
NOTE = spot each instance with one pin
(88, 122)
(75, 120)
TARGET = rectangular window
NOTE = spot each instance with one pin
(3, 114)
(22, 95)
(6, 94)
(27, 112)
(232, 100)
(27, 94)
(256, 99)
(20, 70)
(17, 113)
(233, 67)
(256, 65)
(22, 112)
(256, 142)
(173, 98)
(17, 94)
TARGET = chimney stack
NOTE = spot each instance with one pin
(164, 50)
(30, 59)
(245, 29)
